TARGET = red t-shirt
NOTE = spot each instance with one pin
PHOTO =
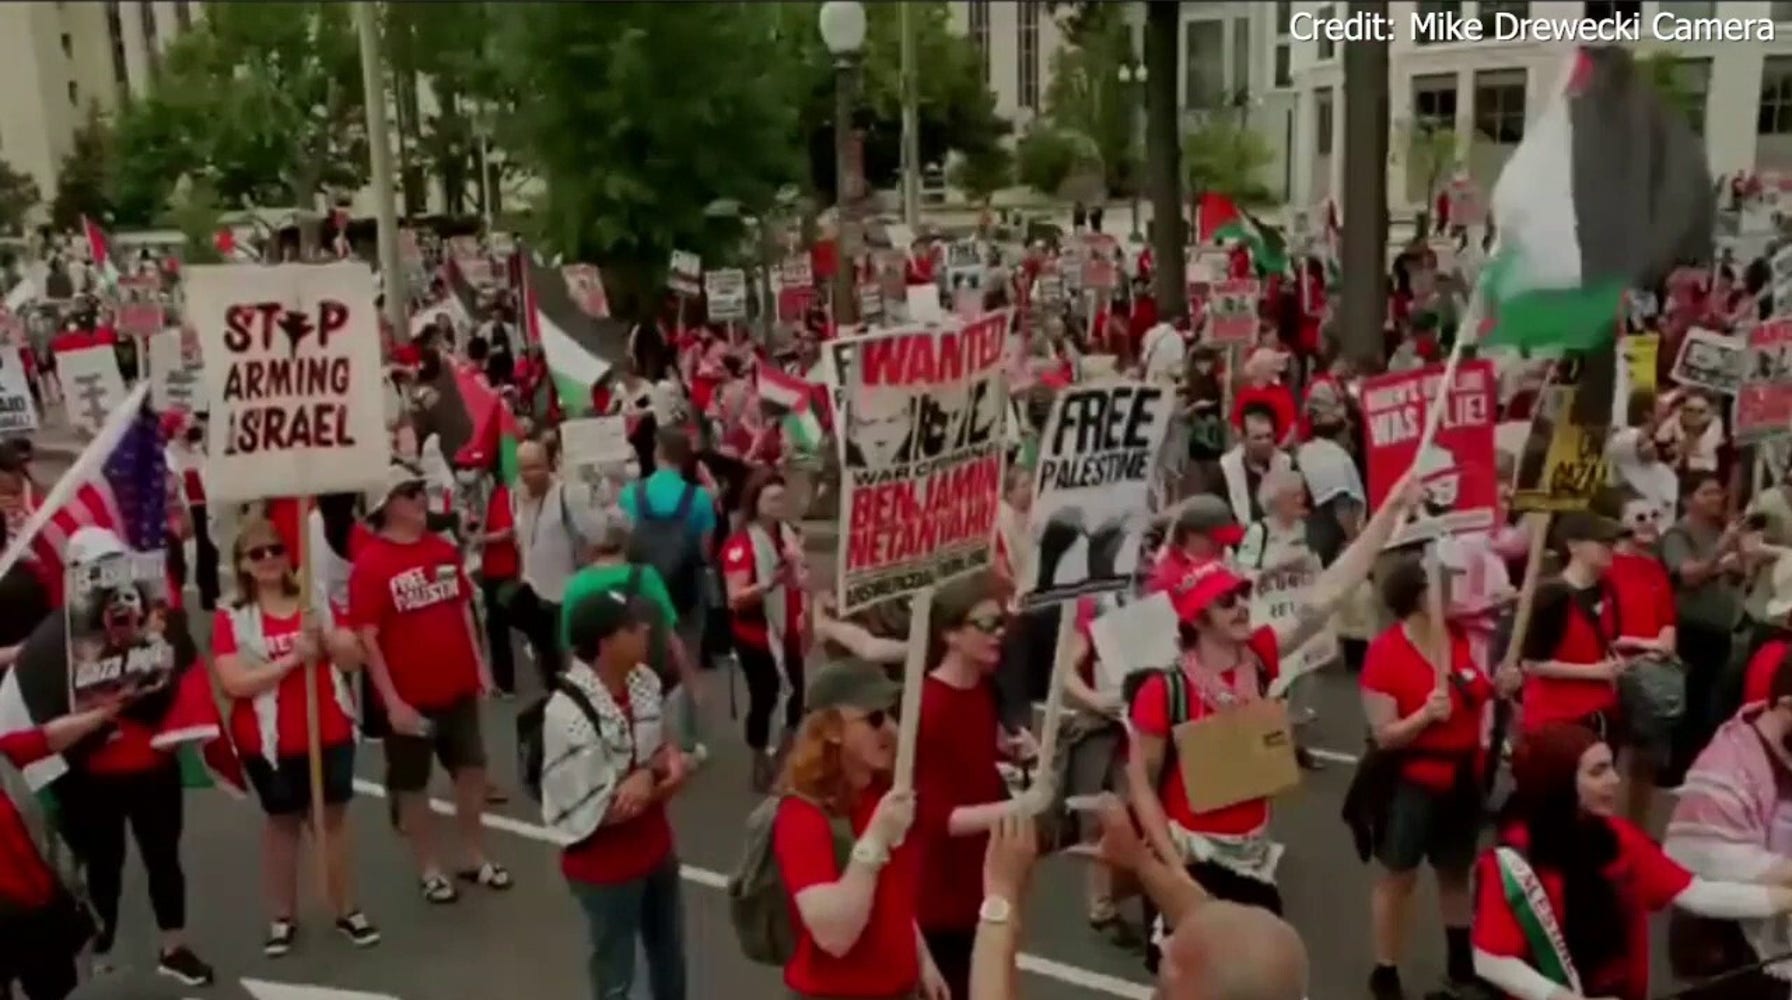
(1397, 668)
(1646, 880)
(1551, 699)
(500, 560)
(1757, 679)
(1641, 596)
(26, 881)
(1151, 716)
(883, 962)
(621, 852)
(748, 624)
(955, 765)
(135, 747)
(277, 715)
(415, 595)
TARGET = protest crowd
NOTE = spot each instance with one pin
(1087, 556)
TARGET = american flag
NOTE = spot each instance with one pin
(128, 496)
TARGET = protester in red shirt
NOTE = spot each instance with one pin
(1263, 386)
(854, 907)
(40, 935)
(762, 566)
(266, 655)
(1593, 877)
(1429, 720)
(411, 604)
(1570, 667)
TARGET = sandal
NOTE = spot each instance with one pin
(439, 890)
(490, 874)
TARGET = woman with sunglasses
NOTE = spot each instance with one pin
(762, 568)
(267, 652)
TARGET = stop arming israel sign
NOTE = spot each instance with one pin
(293, 375)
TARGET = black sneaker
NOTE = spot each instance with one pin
(1384, 983)
(358, 929)
(280, 937)
(183, 965)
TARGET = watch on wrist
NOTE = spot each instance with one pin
(871, 853)
(995, 910)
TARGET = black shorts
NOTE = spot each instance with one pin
(1443, 828)
(454, 739)
(285, 787)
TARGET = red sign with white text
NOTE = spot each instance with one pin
(1456, 468)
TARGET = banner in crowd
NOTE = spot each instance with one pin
(921, 457)
(725, 291)
(797, 271)
(1278, 594)
(1764, 400)
(1711, 361)
(92, 386)
(596, 448)
(1562, 464)
(871, 300)
(117, 617)
(1232, 311)
(686, 274)
(1636, 372)
(292, 378)
(18, 414)
(175, 371)
(1456, 468)
(964, 263)
(1092, 488)
(140, 319)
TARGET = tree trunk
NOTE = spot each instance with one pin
(1365, 203)
(1163, 157)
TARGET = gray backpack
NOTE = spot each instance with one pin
(758, 901)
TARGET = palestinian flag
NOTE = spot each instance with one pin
(495, 431)
(550, 316)
(1608, 191)
(1220, 220)
(99, 250)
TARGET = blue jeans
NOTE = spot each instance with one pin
(615, 915)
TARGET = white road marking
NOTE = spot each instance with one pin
(1334, 756)
(261, 990)
(1088, 979)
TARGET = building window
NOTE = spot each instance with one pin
(1430, 19)
(74, 94)
(1284, 15)
(1692, 85)
(1689, 8)
(183, 15)
(1782, 10)
(980, 33)
(1327, 48)
(1434, 101)
(1499, 106)
(68, 45)
(1029, 55)
(1614, 10)
(1775, 117)
(1284, 73)
(115, 28)
(1241, 58)
(1205, 66)
(1322, 122)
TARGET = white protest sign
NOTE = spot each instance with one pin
(922, 452)
(1711, 361)
(797, 271)
(924, 304)
(175, 373)
(293, 378)
(686, 276)
(1092, 489)
(17, 413)
(964, 260)
(92, 386)
(1278, 594)
(726, 291)
(596, 442)
(1138, 636)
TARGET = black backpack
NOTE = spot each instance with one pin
(667, 543)
(530, 747)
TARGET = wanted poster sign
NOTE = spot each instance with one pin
(18, 415)
(1764, 400)
(686, 275)
(1232, 311)
(921, 456)
(1711, 361)
(293, 378)
(1562, 463)
(117, 620)
(1457, 467)
(1092, 488)
(175, 372)
(726, 291)
(92, 386)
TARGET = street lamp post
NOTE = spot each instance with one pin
(842, 25)
(1132, 74)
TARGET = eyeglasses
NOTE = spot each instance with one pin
(260, 552)
(876, 718)
(988, 625)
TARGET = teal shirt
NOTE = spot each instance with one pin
(612, 576)
(663, 489)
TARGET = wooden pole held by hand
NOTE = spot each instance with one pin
(314, 751)
(914, 673)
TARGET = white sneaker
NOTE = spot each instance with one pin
(699, 755)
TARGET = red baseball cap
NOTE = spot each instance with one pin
(1202, 584)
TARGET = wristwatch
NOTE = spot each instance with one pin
(995, 910)
(870, 854)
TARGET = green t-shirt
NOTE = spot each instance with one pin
(613, 576)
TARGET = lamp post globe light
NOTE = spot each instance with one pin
(842, 24)
(1133, 74)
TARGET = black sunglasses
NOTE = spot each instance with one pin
(989, 624)
(878, 716)
(260, 552)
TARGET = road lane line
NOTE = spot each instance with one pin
(1334, 756)
(1072, 975)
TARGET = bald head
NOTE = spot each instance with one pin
(1224, 951)
(532, 466)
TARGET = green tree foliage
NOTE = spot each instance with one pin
(1226, 156)
(18, 196)
(1432, 158)
(639, 117)
(81, 182)
(1048, 158)
(446, 47)
(263, 100)
(982, 174)
(956, 107)
(1087, 95)
(193, 209)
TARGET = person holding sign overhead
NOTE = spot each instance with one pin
(264, 649)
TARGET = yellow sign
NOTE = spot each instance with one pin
(1563, 463)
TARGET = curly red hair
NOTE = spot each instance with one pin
(813, 767)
